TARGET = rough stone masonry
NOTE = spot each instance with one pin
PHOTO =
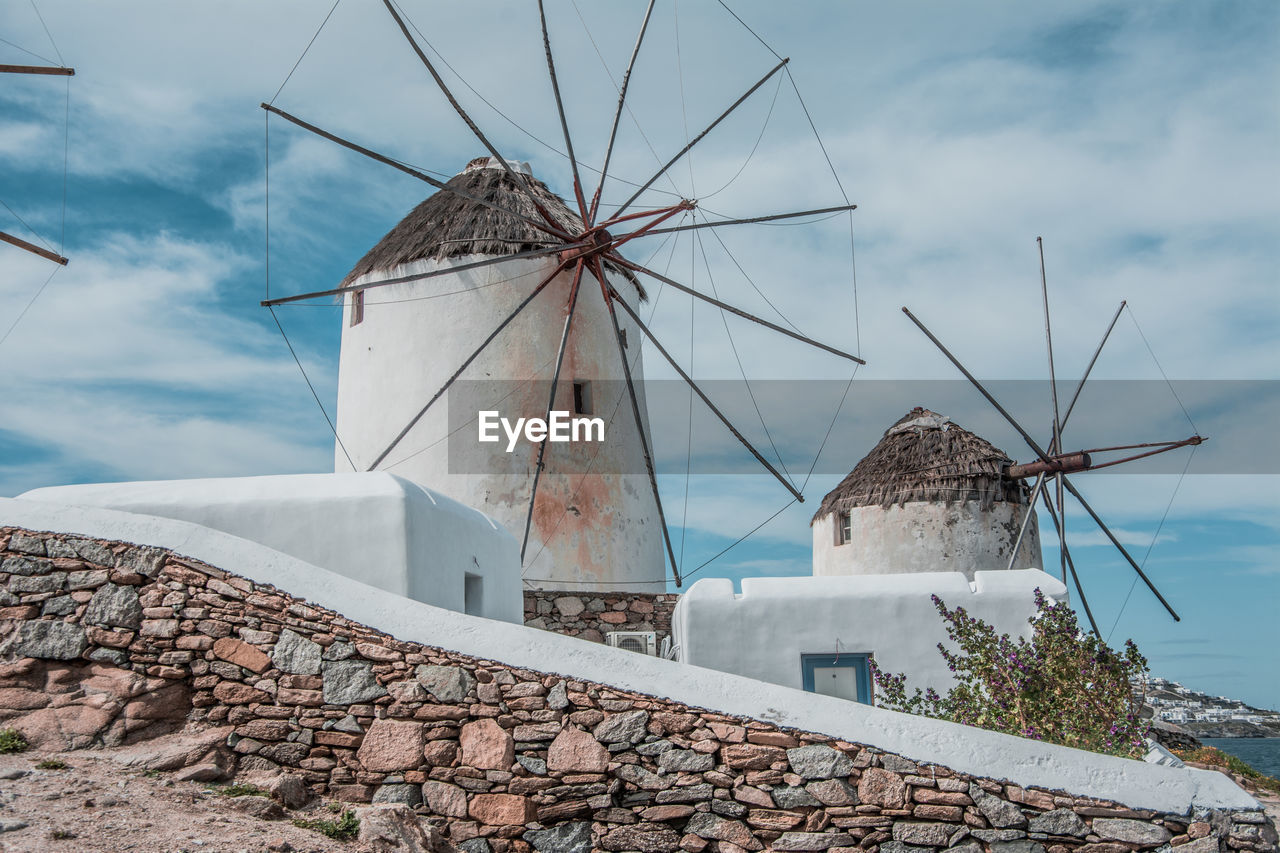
(109, 643)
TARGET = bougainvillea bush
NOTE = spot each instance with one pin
(1062, 686)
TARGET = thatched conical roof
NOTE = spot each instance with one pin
(926, 457)
(447, 225)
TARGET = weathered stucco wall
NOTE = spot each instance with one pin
(589, 616)
(594, 522)
(375, 527)
(923, 535)
(763, 632)
(521, 758)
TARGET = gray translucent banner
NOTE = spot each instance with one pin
(794, 424)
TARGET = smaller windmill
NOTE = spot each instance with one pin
(1054, 463)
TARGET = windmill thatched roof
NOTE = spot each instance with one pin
(925, 457)
(447, 225)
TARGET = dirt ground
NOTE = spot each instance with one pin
(98, 806)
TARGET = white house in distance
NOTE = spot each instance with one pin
(927, 512)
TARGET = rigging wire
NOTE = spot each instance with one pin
(24, 311)
(830, 426)
(688, 458)
(618, 402)
(1160, 367)
(739, 540)
(25, 225)
(304, 51)
(28, 52)
(748, 29)
(738, 358)
(66, 155)
(769, 115)
(1159, 527)
(625, 105)
(507, 118)
(313, 389)
(56, 52)
(684, 108)
(768, 301)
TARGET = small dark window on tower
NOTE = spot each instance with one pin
(582, 398)
(843, 528)
(357, 307)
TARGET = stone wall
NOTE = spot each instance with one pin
(591, 615)
(107, 643)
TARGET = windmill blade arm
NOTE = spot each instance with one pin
(731, 309)
(55, 70)
(487, 262)
(1085, 378)
(1062, 543)
(564, 122)
(516, 178)
(1026, 520)
(1031, 442)
(440, 185)
(617, 115)
(33, 248)
(700, 136)
(639, 420)
(1116, 542)
(752, 219)
(688, 379)
(506, 322)
(551, 402)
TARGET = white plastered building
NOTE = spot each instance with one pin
(927, 512)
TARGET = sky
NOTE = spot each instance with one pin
(1142, 143)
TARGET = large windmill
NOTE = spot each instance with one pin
(1052, 463)
(553, 247)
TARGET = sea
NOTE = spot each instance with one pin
(1260, 753)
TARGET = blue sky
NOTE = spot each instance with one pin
(1140, 142)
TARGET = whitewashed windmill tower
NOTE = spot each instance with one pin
(594, 524)
(496, 280)
(930, 497)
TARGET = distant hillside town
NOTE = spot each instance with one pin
(1208, 716)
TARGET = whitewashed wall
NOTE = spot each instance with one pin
(589, 532)
(963, 748)
(763, 632)
(375, 528)
(922, 535)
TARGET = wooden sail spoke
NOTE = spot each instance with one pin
(732, 310)
(752, 219)
(1116, 542)
(685, 150)
(474, 265)
(639, 419)
(1031, 442)
(55, 70)
(702, 396)
(564, 122)
(33, 248)
(1060, 523)
(408, 170)
(515, 176)
(506, 322)
(551, 400)
(617, 115)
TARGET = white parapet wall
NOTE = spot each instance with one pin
(765, 632)
(965, 749)
(373, 527)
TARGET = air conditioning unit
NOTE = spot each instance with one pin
(644, 642)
